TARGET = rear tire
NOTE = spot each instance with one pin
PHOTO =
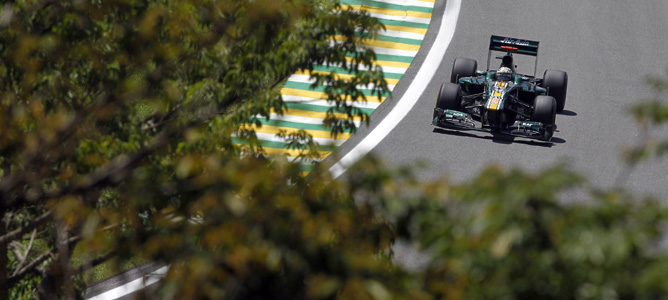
(449, 96)
(556, 83)
(463, 67)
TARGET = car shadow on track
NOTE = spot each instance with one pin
(567, 112)
(502, 138)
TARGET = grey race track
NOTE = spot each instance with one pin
(606, 46)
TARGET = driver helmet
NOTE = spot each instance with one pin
(504, 74)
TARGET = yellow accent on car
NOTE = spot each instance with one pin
(494, 103)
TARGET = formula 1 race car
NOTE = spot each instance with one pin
(502, 101)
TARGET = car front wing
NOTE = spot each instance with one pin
(454, 119)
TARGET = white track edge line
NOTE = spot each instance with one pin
(415, 89)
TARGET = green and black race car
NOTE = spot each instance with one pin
(502, 101)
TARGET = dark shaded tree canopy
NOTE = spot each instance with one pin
(119, 114)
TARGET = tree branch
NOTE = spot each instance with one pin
(107, 176)
(23, 230)
(32, 266)
(29, 268)
(26, 251)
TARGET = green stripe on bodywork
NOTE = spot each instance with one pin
(498, 48)
(526, 51)
(388, 5)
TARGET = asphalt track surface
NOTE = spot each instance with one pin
(607, 48)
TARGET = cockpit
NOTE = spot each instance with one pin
(504, 74)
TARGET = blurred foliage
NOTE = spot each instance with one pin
(506, 234)
(116, 113)
(650, 114)
(117, 118)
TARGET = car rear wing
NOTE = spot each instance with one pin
(513, 45)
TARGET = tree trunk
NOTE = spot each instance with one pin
(63, 247)
(4, 289)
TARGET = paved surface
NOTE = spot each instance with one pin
(607, 47)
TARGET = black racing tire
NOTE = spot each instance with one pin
(449, 96)
(556, 83)
(463, 67)
(545, 110)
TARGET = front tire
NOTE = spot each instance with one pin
(463, 67)
(556, 83)
(449, 96)
(545, 111)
